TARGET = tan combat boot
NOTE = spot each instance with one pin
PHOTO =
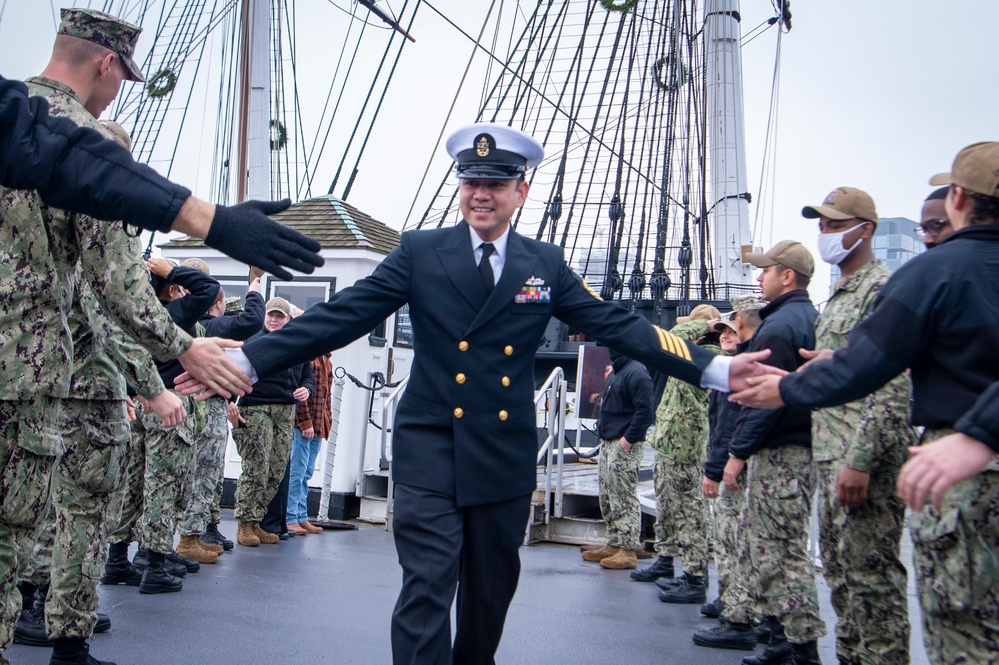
(188, 548)
(600, 554)
(622, 560)
(265, 537)
(245, 535)
(217, 549)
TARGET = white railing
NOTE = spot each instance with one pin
(551, 399)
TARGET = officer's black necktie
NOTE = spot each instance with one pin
(486, 268)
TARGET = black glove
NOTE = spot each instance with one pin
(247, 234)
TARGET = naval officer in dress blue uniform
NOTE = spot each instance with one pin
(465, 441)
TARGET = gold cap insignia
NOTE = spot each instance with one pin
(482, 146)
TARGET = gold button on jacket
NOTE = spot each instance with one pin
(459, 412)
(503, 415)
(460, 378)
(508, 350)
(463, 345)
(505, 381)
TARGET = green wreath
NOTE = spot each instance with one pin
(623, 6)
(162, 83)
(666, 85)
(282, 135)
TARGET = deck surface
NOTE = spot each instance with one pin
(327, 599)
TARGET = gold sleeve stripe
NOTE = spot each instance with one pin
(672, 344)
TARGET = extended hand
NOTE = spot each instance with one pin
(232, 414)
(746, 365)
(851, 487)
(938, 466)
(762, 392)
(814, 356)
(168, 407)
(733, 468)
(247, 234)
(211, 369)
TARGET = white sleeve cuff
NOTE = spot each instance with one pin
(238, 357)
(715, 375)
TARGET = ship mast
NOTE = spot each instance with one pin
(729, 213)
(254, 133)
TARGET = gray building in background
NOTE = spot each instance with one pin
(895, 242)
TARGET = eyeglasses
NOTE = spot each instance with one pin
(932, 227)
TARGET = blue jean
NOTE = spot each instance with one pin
(303, 462)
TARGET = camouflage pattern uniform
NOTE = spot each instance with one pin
(209, 454)
(860, 545)
(779, 489)
(41, 247)
(619, 507)
(957, 568)
(734, 584)
(679, 438)
(264, 444)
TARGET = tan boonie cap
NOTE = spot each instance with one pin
(701, 312)
(118, 132)
(976, 168)
(844, 203)
(278, 305)
(790, 253)
(197, 264)
(745, 303)
(233, 304)
(106, 30)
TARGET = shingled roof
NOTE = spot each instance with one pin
(334, 223)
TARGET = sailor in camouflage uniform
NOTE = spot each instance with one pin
(625, 417)
(858, 449)
(679, 439)
(41, 248)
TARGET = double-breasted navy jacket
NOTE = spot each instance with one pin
(466, 424)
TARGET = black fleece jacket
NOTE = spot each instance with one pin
(240, 326)
(277, 388)
(626, 407)
(788, 325)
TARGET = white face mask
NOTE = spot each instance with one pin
(831, 246)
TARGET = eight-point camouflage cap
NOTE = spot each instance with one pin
(745, 303)
(108, 31)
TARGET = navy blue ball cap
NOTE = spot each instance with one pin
(488, 150)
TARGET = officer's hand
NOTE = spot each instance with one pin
(211, 369)
(625, 445)
(232, 414)
(851, 487)
(709, 488)
(746, 365)
(733, 468)
(938, 466)
(247, 234)
(168, 407)
(814, 356)
(762, 392)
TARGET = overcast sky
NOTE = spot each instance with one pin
(874, 94)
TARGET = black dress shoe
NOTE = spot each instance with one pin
(662, 567)
(727, 635)
(690, 590)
